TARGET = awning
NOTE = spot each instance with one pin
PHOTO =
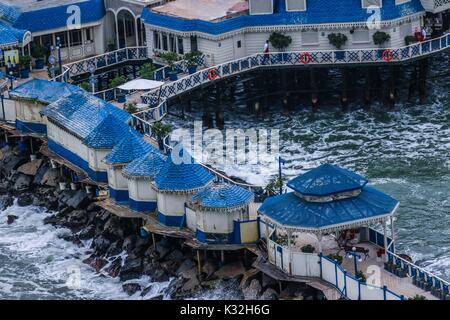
(141, 84)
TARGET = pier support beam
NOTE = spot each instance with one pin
(344, 93)
(392, 85)
(367, 88)
(314, 90)
(423, 72)
(412, 83)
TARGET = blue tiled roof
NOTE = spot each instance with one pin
(290, 210)
(147, 166)
(81, 112)
(182, 175)
(54, 17)
(107, 134)
(8, 13)
(325, 180)
(43, 90)
(132, 146)
(10, 36)
(222, 196)
(318, 12)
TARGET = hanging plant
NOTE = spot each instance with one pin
(280, 41)
(338, 40)
(380, 37)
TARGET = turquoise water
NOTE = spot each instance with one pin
(404, 152)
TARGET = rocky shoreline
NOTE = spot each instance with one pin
(118, 250)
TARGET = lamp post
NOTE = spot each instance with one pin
(52, 61)
(281, 162)
(58, 47)
(92, 79)
(11, 79)
(353, 254)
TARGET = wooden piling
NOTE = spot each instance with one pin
(344, 93)
(423, 71)
(314, 91)
(367, 90)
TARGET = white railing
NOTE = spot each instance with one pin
(314, 265)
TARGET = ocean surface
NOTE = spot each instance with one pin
(404, 153)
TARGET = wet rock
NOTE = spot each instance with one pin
(252, 291)
(268, 281)
(78, 200)
(131, 288)
(128, 243)
(170, 266)
(11, 218)
(114, 268)
(50, 178)
(87, 233)
(160, 276)
(101, 244)
(131, 269)
(23, 182)
(186, 265)
(190, 286)
(208, 268)
(112, 228)
(163, 249)
(98, 264)
(175, 255)
(30, 168)
(25, 200)
(76, 219)
(6, 201)
(115, 248)
(53, 219)
(230, 271)
(40, 173)
(140, 245)
(11, 162)
(269, 294)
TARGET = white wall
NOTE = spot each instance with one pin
(141, 190)
(116, 180)
(216, 222)
(29, 111)
(96, 157)
(67, 140)
(171, 204)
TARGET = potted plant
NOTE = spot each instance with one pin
(161, 130)
(338, 40)
(116, 82)
(335, 257)
(418, 297)
(308, 249)
(147, 71)
(380, 37)
(38, 52)
(85, 86)
(170, 58)
(280, 42)
(192, 59)
(410, 40)
(130, 107)
(361, 276)
(24, 65)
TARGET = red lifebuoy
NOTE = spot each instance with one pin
(213, 74)
(305, 58)
(387, 55)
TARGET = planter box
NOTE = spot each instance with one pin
(173, 76)
(121, 98)
(39, 64)
(24, 73)
(192, 69)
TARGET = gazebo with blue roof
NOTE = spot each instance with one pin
(132, 146)
(180, 177)
(327, 200)
(213, 212)
(30, 99)
(140, 174)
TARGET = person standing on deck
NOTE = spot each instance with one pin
(424, 33)
(266, 52)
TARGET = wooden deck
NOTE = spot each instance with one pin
(330, 292)
(122, 211)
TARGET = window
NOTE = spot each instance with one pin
(239, 44)
(180, 46)
(129, 28)
(75, 38)
(89, 34)
(156, 40)
(361, 36)
(295, 5)
(164, 42)
(261, 6)
(62, 39)
(310, 37)
(172, 43)
(47, 40)
(372, 3)
(194, 45)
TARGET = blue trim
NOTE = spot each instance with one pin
(142, 206)
(171, 221)
(121, 196)
(98, 176)
(31, 127)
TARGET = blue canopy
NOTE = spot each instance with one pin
(131, 146)
(10, 36)
(223, 196)
(291, 211)
(107, 134)
(145, 167)
(325, 180)
(81, 112)
(185, 175)
(43, 90)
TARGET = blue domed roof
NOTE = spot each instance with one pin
(132, 146)
(223, 196)
(182, 174)
(107, 134)
(146, 167)
(325, 180)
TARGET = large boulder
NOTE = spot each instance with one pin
(186, 265)
(252, 291)
(76, 219)
(131, 288)
(23, 182)
(230, 271)
(11, 162)
(131, 269)
(100, 244)
(30, 168)
(269, 294)
(50, 178)
(6, 201)
(11, 218)
(25, 200)
(78, 200)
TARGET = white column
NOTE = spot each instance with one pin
(136, 33)
(392, 228)
(385, 237)
(116, 19)
(319, 238)
(124, 32)
(289, 234)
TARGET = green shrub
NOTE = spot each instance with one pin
(409, 40)
(337, 39)
(418, 297)
(361, 276)
(147, 70)
(308, 249)
(117, 81)
(161, 130)
(380, 37)
(336, 257)
(85, 86)
(25, 62)
(279, 40)
(38, 51)
(170, 58)
(192, 57)
(130, 107)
